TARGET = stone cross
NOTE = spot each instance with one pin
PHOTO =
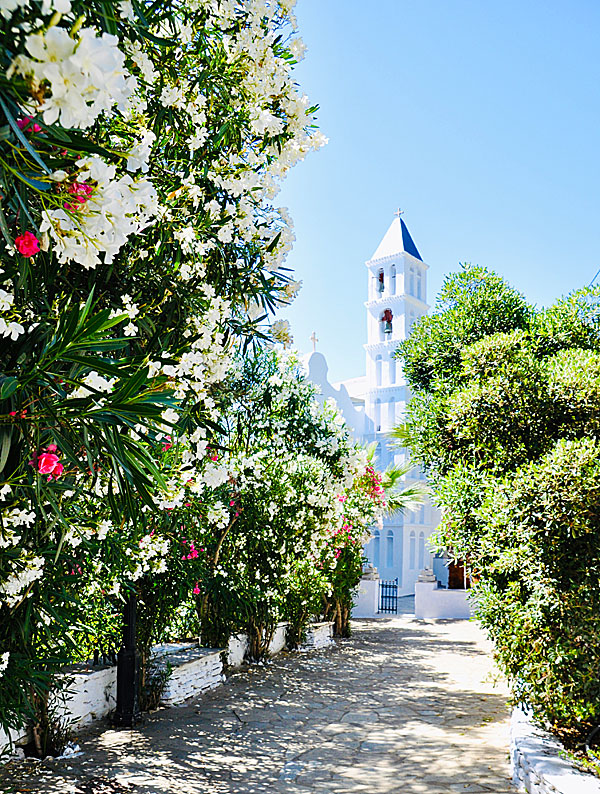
(399, 212)
(314, 340)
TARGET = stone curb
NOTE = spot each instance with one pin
(537, 764)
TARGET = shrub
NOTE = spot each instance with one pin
(506, 423)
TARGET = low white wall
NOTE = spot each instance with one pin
(437, 603)
(93, 691)
(318, 635)
(19, 738)
(237, 648)
(366, 600)
(279, 640)
(538, 763)
(194, 670)
(91, 695)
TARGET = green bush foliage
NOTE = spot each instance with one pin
(506, 422)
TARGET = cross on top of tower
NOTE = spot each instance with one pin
(399, 212)
(314, 339)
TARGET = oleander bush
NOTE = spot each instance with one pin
(155, 441)
(141, 148)
(505, 418)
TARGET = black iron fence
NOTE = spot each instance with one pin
(388, 596)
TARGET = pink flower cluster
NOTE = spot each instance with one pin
(375, 489)
(341, 538)
(80, 193)
(48, 462)
(25, 122)
(193, 553)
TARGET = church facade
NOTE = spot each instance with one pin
(374, 403)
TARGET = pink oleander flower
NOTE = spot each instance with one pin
(25, 122)
(48, 463)
(27, 244)
(196, 590)
(80, 193)
(51, 448)
(58, 470)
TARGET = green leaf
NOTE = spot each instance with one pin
(23, 140)
(8, 386)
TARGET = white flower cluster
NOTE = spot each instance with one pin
(151, 556)
(10, 328)
(4, 657)
(85, 75)
(13, 588)
(115, 209)
(218, 515)
(14, 517)
(96, 383)
(282, 332)
(7, 7)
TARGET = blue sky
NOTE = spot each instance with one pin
(479, 118)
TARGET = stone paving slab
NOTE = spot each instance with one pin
(402, 707)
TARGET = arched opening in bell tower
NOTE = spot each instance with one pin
(386, 320)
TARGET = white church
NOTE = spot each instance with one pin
(373, 403)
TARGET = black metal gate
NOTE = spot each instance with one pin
(388, 596)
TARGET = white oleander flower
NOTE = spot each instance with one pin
(281, 331)
(96, 382)
(12, 329)
(85, 75)
(6, 300)
(8, 6)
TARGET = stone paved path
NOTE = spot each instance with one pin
(402, 707)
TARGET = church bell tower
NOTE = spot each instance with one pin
(397, 292)
(397, 298)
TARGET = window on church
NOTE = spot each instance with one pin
(387, 319)
(389, 549)
(422, 514)
(391, 412)
(411, 280)
(380, 281)
(421, 550)
(376, 542)
(412, 550)
(377, 417)
(419, 285)
(378, 366)
(392, 370)
(393, 280)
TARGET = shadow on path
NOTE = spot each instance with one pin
(403, 706)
